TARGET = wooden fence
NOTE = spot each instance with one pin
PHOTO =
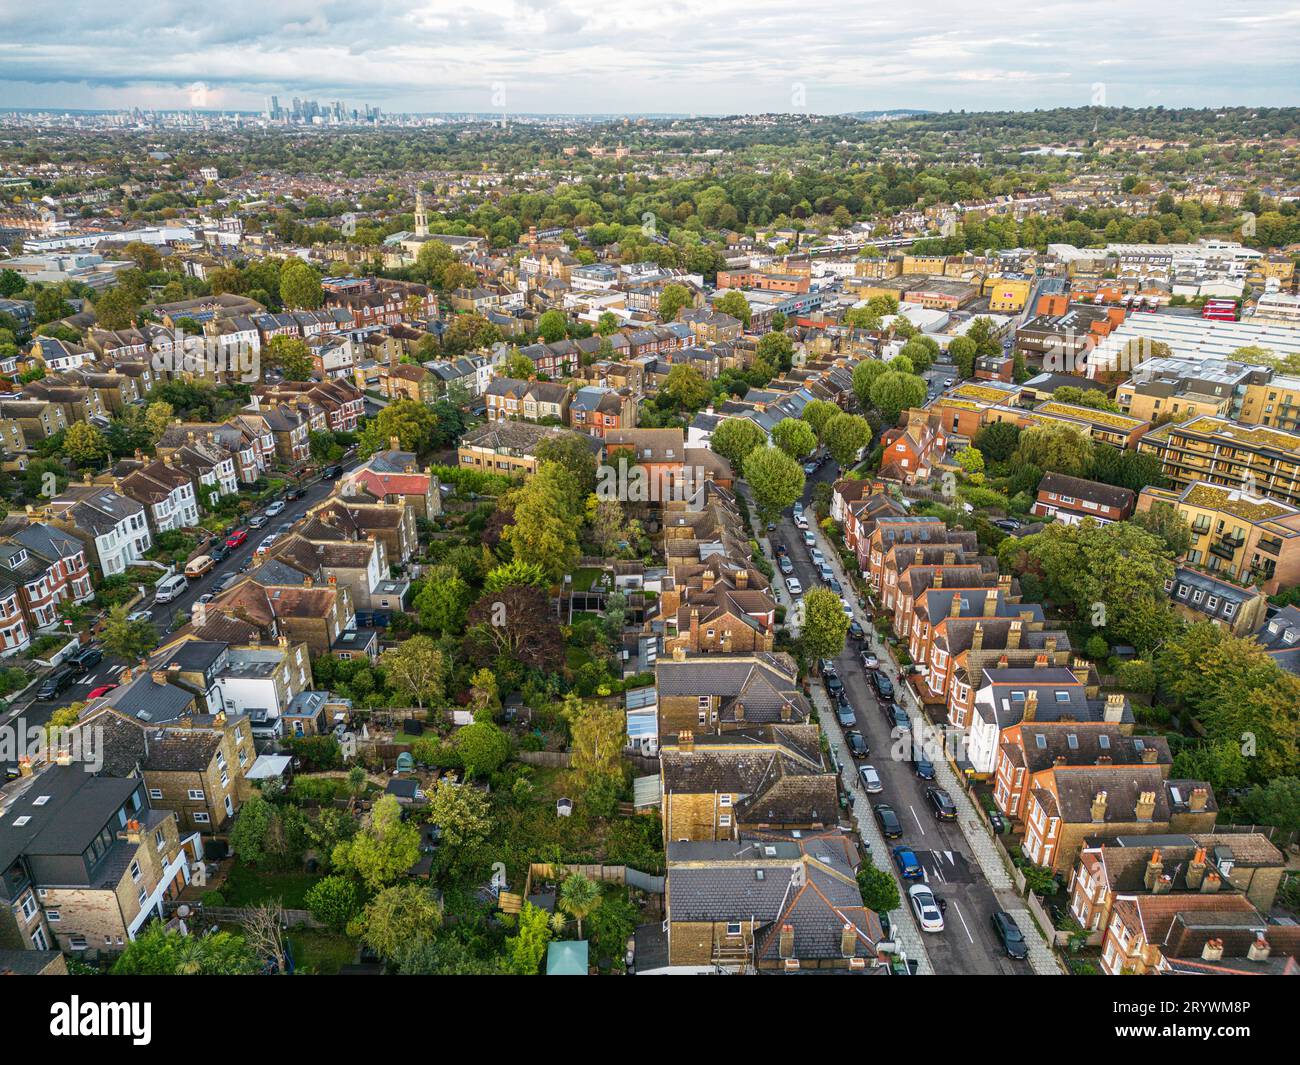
(607, 874)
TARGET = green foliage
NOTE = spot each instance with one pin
(825, 624)
(334, 901)
(383, 850)
(156, 951)
(775, 478)
(735, 438)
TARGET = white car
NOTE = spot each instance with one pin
(870, 779)
(169, 588)
(809, 539)
(275, 508)
(793, 586)
(800, 522)
(847, 607)
(926, 908)
(139, 615)
(817, 557)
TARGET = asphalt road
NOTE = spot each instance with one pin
(967, 945)
(35, 713)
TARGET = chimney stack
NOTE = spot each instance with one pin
(977, 637)
(990, 604)
(1149, 755)
(1114, 712)
(1031, 705)
(1099, 807)
(159, 676)
(1196, 870)
(1200, 797)
(1155, 867)
(1040, 661)
(1259, 950)
(954, 607)
(1013, 635)
(938, 578)
(686, 741)
(848, 939)
(786, 944)
(1211, 883)
(1146, 806)
(1213, 950)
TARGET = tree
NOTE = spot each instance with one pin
(610, 527)
(971, 460)
(845, 435)
(734, 439)
(158, 417)
(145, 256)
(775, 478)
(300, 287)
(878, 888)
(51, 306)
(607, 323)
(482, 748)
(415, 669)
(1276, 803)
(526, 949)
(686, 387)
(442, 600)
(464, 817)
(517, 624)
(998, 440)
(918, 353)
(597, 738)
(1055, 448)
(579, 896)
(795, 437)
(546, 516)
(961, 350)
(85, 445)
(552, 326)
(290, 356)
(257, 834)
(1164, 520)
(671, 301)
(777, 350)
(896, 392)
(117, 308)
(733, 303)
(158, 951)
(383, 849)
(514, 572)
(432, 261)
(263, 928)
(573, 452)
(865, 374)
(817, 412)
(128, 640)
(409, 420)
(398, 917)
(824, 625)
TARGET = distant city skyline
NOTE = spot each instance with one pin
(610, 57)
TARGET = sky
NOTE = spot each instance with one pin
(682, 56)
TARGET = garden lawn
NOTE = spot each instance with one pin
(247, 886)
(320, 953)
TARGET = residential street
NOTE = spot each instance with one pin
(36, 713)
(967, 945)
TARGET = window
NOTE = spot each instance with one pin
(155, 793)
(141, 895)
(724, 821)
(158, 839)
(196, 794)
(39, 942)
(200, 818)
(77, 942)
(40, 800)
(53, 916)
(28, 906)
(733, 928)
(724, 800)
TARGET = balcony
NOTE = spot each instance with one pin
(1223, 550)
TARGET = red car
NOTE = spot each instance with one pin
(103, 689)
(236, 538)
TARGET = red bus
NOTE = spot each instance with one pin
(1220, 310)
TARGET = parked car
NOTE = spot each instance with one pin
(856, 630)
(808, 538)
(331, 473)
(275, 508)
(1008, 524)
(845, 715)
(198, 567)
(85, 659)
(810, 468)
(257, 521)
(870, 779)
(858, 746)
(54, 683)
(285, 528)
(896, 716)
(834, 585)
(100, 692)
(781, 550)
(834, 686)
(847, 607)
(923, 767)
(295, 493)
(909, 865)
(869, 660)
(818, 559)
(220, 553)
(170, 587)
(224, 582)
(139, 615)
(787, 567)
(826, 573)
(793, 586)
(236, 538)
(890, 826)
(800, 522)
(827, 666)
(926, 908)
(883, 685)
(1009, 934)
(941, 802)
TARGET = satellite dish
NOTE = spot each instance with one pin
(183, 910)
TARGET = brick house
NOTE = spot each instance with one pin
(715, 693)
(1071, 499)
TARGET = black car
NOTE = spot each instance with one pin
(890, 826)
(54, 683)
(884, 686)
(845, 715)
(858, 746)
(923, 767)
(295, 493)
(219, 553)
(782, 551)
(856, 630)
(941, 802)
(896, 716)
(1008, 932)
(331, 473)
(85, 659)
(834, 685)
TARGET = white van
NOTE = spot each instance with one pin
(170, 587)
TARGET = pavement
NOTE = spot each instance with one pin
(960, 859)
(35, 713)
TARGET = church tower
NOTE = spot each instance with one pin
(421, 216)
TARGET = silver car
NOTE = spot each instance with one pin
(870, 779)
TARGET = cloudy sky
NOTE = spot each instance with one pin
(692, 56)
